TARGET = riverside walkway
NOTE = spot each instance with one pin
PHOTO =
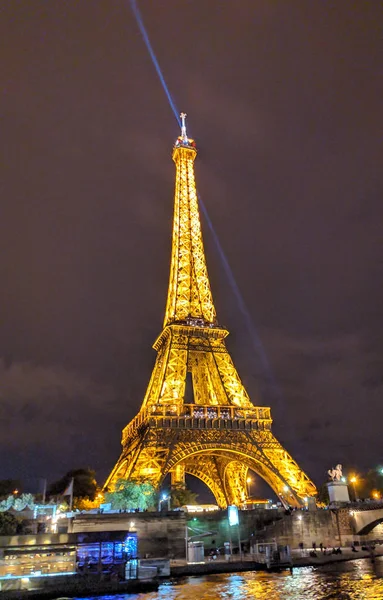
(180, 568)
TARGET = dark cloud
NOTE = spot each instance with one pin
(328, 378)
(53, 416)
(284, 100)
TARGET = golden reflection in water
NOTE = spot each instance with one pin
(352, 580)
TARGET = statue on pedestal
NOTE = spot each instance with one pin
(335, 474)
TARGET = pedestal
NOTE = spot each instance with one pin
(338, 492)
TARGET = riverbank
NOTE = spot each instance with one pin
(325, 559)
(80, 587)
(180, 568)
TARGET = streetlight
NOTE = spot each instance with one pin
(301, 545)
(233, 516)
(163, 498)
(354, 480)
(249, 481)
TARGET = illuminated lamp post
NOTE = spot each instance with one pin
(354, 480)
(163, 498)
(233, 517)
(301, 545)
(249, 481)
(284, 496)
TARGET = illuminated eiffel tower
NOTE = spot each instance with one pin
(221, 435)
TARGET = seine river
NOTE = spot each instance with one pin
(352, 580)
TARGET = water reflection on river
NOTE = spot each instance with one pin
(353, 580)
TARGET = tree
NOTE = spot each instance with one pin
(84, 484)
(181, 496)
(130, 495)
(371, 484)
(8, 486)
(323, 497)
(85, 504)
(8, 524)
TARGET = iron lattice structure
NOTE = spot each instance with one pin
(221, 435)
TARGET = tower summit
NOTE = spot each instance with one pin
(183, 126)
(220, 435)
(189, 294)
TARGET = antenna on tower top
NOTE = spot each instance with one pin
(183, 126)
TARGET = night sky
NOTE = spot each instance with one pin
(284, 100)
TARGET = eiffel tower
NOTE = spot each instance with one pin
(219, 435)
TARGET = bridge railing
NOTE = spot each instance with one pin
(362, 505)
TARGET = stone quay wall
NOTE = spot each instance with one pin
(259, 525)
(164, 534)
(305, 527)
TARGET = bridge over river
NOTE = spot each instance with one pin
(366, 516)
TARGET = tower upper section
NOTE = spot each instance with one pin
(189, 294)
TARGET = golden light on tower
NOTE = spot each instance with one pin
(222, 435)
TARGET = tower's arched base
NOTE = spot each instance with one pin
(218, 451)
